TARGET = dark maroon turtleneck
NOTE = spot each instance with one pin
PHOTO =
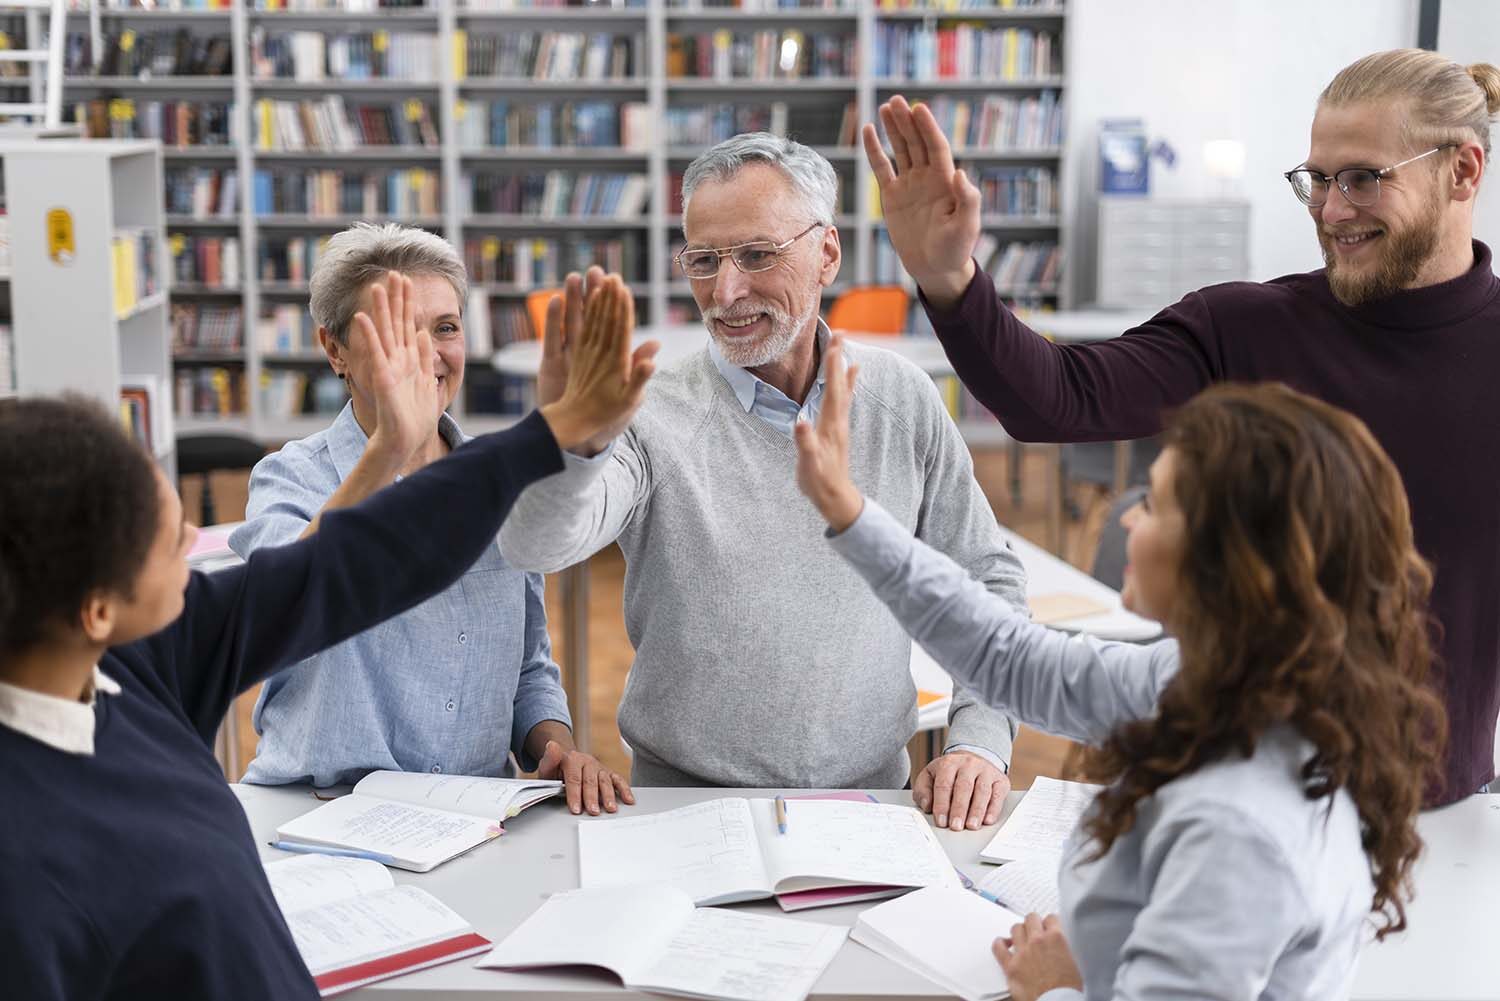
(1421, 368)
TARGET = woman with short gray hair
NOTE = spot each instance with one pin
(461, 682)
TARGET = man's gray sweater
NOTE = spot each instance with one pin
(762, 659)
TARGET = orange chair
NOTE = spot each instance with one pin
(536, 309)
(871, 309)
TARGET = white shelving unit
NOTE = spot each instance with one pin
(659, 290)
(68, 334)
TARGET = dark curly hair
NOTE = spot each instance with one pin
(1301, 601)
(78, 513)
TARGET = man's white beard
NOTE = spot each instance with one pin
(745, 352)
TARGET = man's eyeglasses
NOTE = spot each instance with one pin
(758, 255)
(1360, 185)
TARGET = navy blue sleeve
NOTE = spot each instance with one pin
(365, 564)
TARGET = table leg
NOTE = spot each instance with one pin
(1122, 466)
(575, 660)
(1055, 492)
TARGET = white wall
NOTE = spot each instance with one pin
(1469, 32)
(1249, 70)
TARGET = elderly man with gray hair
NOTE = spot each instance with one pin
(462, 681)
(761, 661)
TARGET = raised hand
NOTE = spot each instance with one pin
(823, 451)
(393, 360)
(564, 322)
(931, 210)
(606, 379)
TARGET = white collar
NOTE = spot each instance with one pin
(744, 382)
(66, 725)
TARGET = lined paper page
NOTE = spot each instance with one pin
(495, 798)
(707, 850)
(836, 841)
(1042, 822)
(744, 957)
(418, 837)
(1026, 886)
(377, 924)
(310, 880)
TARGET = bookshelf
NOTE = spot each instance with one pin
(88, 263)
(614, 94)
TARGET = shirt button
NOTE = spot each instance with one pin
(463, 637)
(436, 769)
(451, 705)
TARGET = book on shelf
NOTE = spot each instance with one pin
(354, 926)
(142, 410)
(287, 328)
(176, 123)
(136, 266)
(119, 5)
(213, 261)
(289, 259)
(543, 262)
(395, 192)
(767, 54)
(201, 192)
(206, 327)
(959, 6)
(554, 124)
(288, 393)
(707, 124)
(998, 123)
(326, 124)
(209, 391)
(316, 56)
(127, 52)
(548, 55)
(346, 6)
(727, 850)
(417, 821)
(503, 5)
(654, 939)
(556, 193)
(1016, 191)
(920, 52)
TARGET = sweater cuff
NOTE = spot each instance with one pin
(982, 752)
(1062, 994)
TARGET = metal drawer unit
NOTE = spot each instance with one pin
(1154, 251)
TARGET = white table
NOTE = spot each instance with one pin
(1448, 956)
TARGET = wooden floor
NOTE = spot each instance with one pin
(610, 652)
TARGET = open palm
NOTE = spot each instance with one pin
(931, 210)
(395, 361)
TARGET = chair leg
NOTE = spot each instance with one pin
(206, 508)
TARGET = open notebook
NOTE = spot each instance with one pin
(654, 939)
(416, 821)
(353, 925)
(725, 850)
(944, 935)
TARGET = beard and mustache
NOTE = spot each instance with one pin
(1405, 254)
(746, 352)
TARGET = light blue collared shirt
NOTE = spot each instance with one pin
(763, 400)
(452, 685)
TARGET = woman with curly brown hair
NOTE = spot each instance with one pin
(1264, 767)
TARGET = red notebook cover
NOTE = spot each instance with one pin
(433, 954)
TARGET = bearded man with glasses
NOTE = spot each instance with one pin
(1402, 328)
(760, 660)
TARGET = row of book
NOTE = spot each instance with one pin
(365, 6)
(1019, 268)
(209, 391)
(129, 52)
(964, 52)
(1017, 191)
(557, 193)
(999, 123)
(206, 260)
(201, 192)
(550, 124)
(707, 124)
(547, 4)
(959, 6)
(175, 123)
(288, 393)
(316, 56)
(286, 328)
(290, 259)
(205, 327)
(83, 5)
(761, 55)
(549, 55)
(540, 262)
(137, 272)
(395, 192)
(327, 124)
(141, 415)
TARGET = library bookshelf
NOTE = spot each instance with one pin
(515, 156)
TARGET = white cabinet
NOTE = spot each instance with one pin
(1154, 251)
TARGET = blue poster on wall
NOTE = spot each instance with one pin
(1123, 157)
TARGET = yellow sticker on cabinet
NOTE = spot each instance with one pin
(60, 245)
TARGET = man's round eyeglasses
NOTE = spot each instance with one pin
(757, 255)
(1360, 185)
